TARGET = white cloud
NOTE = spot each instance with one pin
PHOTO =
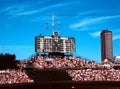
(15, 8)
(31, 12)
(26, 9)
(20, 9)
(98, 12)
(92, 20)
(116, 37)
(95, 34)
(90, 12)
(37, 11)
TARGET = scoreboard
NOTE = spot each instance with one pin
(55, 44)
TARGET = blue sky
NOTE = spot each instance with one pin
(22, 20)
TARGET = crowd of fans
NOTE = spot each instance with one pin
(95, 75)
(80, 69)
(14, 76)
(117, 62)
(68, 62)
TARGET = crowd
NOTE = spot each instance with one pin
(68, 62)
(94, 75)
(80, 69)
(14, 76)
(117, 62)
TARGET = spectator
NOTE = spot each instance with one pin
(13, 76)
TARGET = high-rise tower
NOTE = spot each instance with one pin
(106, 45)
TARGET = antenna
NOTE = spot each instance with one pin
(53, 22)
(54, 29)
